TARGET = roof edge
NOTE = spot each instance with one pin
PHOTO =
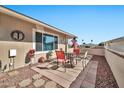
(116, 39)
(37, 21)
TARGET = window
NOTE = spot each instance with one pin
(45, 42)
(50, 42)
(56, 42)
(38, 41)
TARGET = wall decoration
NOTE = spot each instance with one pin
(17, 35)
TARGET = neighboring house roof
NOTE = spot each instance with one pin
(32, 20)
(117, 39)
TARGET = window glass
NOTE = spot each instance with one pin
(56, 42)
(48, 42)
(38, 41)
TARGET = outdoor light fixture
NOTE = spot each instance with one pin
(12, 53)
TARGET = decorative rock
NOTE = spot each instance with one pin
(50, 84)
(36, 76)
(25, 83)
(39, 83)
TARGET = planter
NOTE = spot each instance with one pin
(29, 56)
(41, 60)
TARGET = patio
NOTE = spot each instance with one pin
(96, 74)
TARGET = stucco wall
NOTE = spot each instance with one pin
(7, 25)
(116, 64)
(21, 47)
(93, 51)
(99, 52)
(118, 43)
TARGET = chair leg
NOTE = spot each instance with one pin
(57, 64)
(76, 61)
(83, 63)
(71, 62)
(64, 66)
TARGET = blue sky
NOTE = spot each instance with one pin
(99, 23)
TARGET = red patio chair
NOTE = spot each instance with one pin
(77, 54)
(61, 58)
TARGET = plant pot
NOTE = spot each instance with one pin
(41, 60)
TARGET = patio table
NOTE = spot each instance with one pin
(70, 56)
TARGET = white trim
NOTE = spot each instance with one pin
(40, 52)
(33, 38)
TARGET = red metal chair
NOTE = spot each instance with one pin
(77, 54)
(61, 58)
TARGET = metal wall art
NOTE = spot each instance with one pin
(17, 35)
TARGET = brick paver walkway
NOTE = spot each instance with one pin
(87, 77)
(102, 76)
(24, 77)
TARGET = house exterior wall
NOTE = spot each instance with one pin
(7, 25)
(116, 45)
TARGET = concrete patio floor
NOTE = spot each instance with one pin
(93, 76)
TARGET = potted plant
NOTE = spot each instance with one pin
(49, 55)
(41, 60)
(29, 55)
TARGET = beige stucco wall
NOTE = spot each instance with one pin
(118, 43)
(116, 64)
(7, 25)
(21, 47)
(93, 51)
(99, 52)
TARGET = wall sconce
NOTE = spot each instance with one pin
(12, 53)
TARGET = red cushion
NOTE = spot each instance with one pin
(60, 55)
